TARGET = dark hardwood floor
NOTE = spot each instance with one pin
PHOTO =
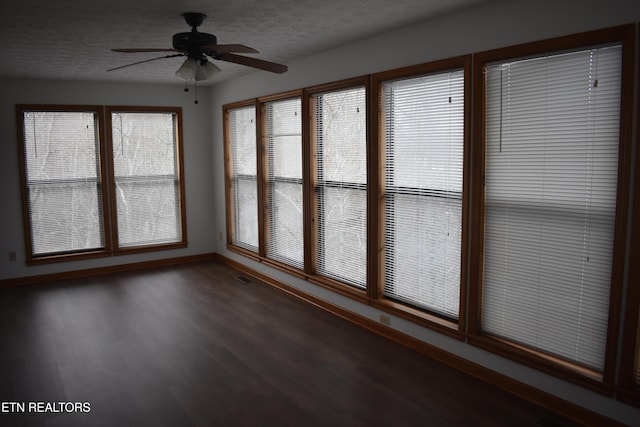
(192, 345)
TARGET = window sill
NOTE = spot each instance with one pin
(349, 291)
(149, 248)
(67, 257)
(560, 368)
(78, 256)
(422, 318)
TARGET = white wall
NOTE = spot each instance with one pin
(489, 26)
(197, 153)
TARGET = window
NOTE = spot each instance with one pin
(63, 185)
(283, 131)
(65, 180)
(339, 137)
(548, 179)
(242, 219)
(146, 173)
(422, 139)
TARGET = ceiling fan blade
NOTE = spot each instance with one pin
(146, 60)
(228, 48)
(140, 50)
(252, 62)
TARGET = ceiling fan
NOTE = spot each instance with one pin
(197, 47)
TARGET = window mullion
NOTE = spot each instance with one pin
(261, 170)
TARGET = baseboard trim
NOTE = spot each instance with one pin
(99, 271)
(553, 403)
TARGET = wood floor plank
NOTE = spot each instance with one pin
(192, 345)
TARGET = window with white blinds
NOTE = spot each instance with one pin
(146, 177)
(62, 173)
(551, 154)
(340, 140)
(283, 131)
(423, 178)
(241, 132)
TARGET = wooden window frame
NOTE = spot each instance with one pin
(308, 271)
(441, 324)
(183, 242)
(228, 167)
(32, 259)
(263, 181)
(602, 383)
(628, 388)
(105, 162)
(311, 177)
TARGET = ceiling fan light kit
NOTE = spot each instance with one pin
(198, 70)
(198, 47)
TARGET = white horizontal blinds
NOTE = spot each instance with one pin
(284, 181)
(424, 138)
(341, 187)
(146, 177)
(550, 199)
(244, 184)
(62, 164)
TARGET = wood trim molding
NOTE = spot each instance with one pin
(436, 323)
(99, 271)
(629, 389)
(567, 409)
(543, 362)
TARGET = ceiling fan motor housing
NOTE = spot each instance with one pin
(187, 42)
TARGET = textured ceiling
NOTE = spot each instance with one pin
(71, 39)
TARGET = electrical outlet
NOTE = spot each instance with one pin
(385, 320)
(12, 256)
(220, 236)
